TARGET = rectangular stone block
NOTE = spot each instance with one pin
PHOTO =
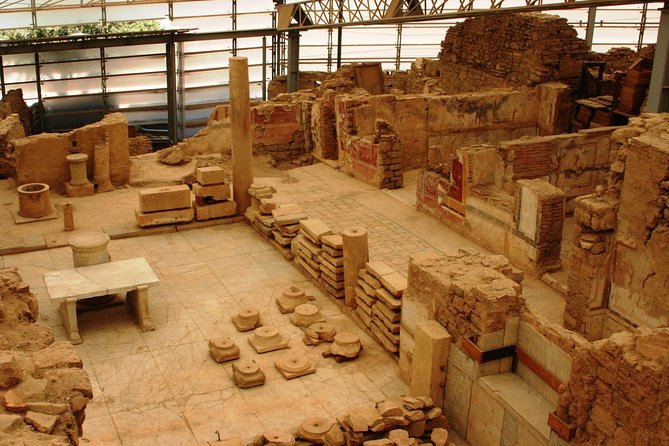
(164, 198)
(431, 350)
(216, 191)
(208, 176)
(216, 210)
(164, 217)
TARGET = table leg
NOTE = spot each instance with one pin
(138, 299)
(68, 314)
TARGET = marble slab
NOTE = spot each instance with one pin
(98, 280)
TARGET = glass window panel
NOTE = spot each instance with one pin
(207, 45)
(71, 87)
(254, 21)
(207, 95)
(63, 104)
(205, 78)
(70, 70)
(146, 117)
(18, 59)
(55, 17)
(206, 60)
(136, 83)
(136, 99)
(13, 20)
(19, 74)
(203, 24)
(202, 8)
(132, 50)
(135, 65)
(69, 55)
(156, 11)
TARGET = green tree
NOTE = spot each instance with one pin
(93, 28)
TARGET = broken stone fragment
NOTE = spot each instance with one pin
(388, 408)
(41, 422)
(399, 437)
(172, 156)
(412, 403)
(439, 437)
(13, 402)
(334, 437)
(10, 422)
(9, 373)
(379, 442)
(361, 418)
(433, 413)
(278, 437)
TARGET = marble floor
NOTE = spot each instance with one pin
(162, 388)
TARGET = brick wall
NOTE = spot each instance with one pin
(618, 391)
(510, 50)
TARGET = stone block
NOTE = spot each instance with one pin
(216, 191)
(208, 176)
(457, 397)
(164, 198)
(486, 417)
(432, 345)
(79, 191)
(164, 217)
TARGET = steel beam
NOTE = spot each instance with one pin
(658, 92)
(293, 60)
(170, 69)
(590, 29)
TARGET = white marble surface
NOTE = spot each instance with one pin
(98, 280)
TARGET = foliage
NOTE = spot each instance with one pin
(93, 28)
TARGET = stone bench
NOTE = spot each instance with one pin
(68, 286)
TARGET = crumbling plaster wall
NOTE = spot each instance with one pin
(621, 237)
(41, 158)
(10, 130)
(13, 103)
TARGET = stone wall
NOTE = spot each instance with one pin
(10, 130)
(510, 50)
(13, 103)
(44, 389)
(41, 158)
(618, 391)
(618, 279)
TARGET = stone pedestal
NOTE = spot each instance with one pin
(290, 298)
(34, 200)
(267, 339)
(314, 429)
(90, 248)
(68, 217)
(78, 186)
(278, 437)
(305, 315)
(240, 132)
(346, 344)
(223, 349)
(356, 255)
(247, 319)
(247, 374)
(294, 366)
(319, 332)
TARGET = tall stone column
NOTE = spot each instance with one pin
(242, 144)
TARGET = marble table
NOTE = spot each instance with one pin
(68, 286)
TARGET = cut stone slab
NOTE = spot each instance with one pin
(334, 241)
(378, 269)
(82, 190)
(209, 175)
(13, 245)
(315, 228)
(388, 299)
(395, 283)
(215, 191)
(40, 421)
(164, 217)
(215, 210)
(164, 198)
(19, 219)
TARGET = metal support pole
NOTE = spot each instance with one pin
(329, 61)
(398, 49)
(103, 81)
(340, 18)
(181, 104)
(590, 30)
(38, 85)
(642, 26)
(264, 68)
(170, 72)
(33, 13)
(234, 26)
(658, 92)
(2, 78)
(293, 61)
